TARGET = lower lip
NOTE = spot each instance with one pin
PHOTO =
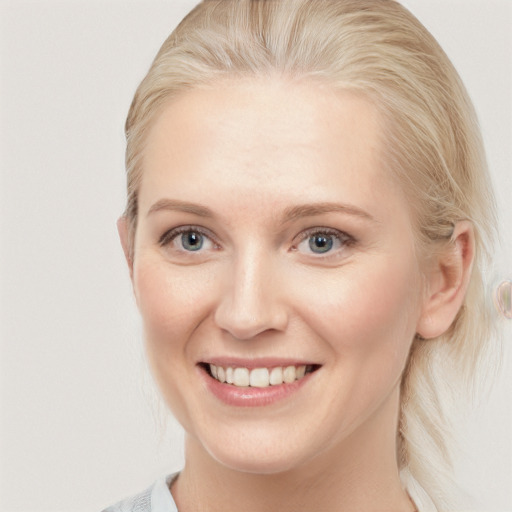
(252, 396)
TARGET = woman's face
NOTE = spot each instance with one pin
(273, 250)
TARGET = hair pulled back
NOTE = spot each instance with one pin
(433, 147)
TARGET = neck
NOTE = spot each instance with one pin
(359, 475)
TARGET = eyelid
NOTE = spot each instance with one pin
(324, 231)
(173, 233)
(345, 239)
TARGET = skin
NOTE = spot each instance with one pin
(251, 154)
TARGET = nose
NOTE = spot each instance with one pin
(252, 299)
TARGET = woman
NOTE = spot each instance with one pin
(308, 217)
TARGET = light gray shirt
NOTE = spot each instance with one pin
(158, 497)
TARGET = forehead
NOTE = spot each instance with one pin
(267, 137)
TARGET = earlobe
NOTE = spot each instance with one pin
(124, 236)
(447, 281)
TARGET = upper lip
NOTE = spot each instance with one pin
(264, 362)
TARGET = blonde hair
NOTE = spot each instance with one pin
(379, 49)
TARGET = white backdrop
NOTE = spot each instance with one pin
(76, 429)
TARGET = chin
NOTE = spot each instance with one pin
(257, 457)
(257, 465)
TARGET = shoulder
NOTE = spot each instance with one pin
(139, 503)
(156, 498)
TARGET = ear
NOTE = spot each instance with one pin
(124, 236)
(447, 282)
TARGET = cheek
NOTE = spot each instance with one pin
(369, 313)
(364, 317)
(169, 299)
(172, 302)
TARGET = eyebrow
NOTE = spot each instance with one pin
(180, 206)
(310, 210)
(290, 214)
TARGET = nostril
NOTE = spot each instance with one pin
(243, 326)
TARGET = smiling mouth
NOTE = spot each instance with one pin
(258, 377)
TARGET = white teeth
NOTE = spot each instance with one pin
(258, 377)
(241, 377)
(289, 374)
(276, 376)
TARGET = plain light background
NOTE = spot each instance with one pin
(78, 430)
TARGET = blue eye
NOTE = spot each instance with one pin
(192, 241)
(187, 239)
(321, 243)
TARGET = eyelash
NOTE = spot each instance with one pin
(344, 239)
(172, 234)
